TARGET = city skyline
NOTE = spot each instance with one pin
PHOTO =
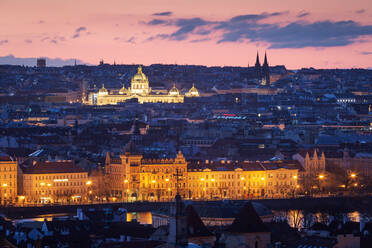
(316, 34)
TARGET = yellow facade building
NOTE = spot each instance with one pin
(133, 177)
(51, 182)
(140, 89)
(9, 182)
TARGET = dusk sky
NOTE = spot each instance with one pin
(317, 33)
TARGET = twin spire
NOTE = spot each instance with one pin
(262, 72)
(258, 60)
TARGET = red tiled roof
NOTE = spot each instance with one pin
(248, 221)
(196, 227)
(53, 167)
(244, 165)
(5, 158)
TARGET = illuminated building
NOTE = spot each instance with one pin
(140, 89)
(312, 163)
(241, 180)
(9, 182)
(48, 182)
(262, 72)
(133, 177)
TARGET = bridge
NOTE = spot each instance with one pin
(325, 204)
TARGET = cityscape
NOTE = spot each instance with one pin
(175, 124)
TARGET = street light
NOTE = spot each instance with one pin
(353, 175)
(321, 177)
(89, 182)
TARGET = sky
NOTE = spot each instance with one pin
(294, 33)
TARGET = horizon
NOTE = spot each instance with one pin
(295, 34)
(82, 63)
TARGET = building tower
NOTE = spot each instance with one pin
(265, 72)
(41, 62)
(177, 237)
(140, 84)
(257, 68)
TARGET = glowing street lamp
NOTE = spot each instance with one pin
(126, 181)
(321, 177)
(353, 175)
(294, 177)
(89, 182)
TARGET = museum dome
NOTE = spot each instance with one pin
(123, 90)
(193, 91)
(174, 91)
(103, 90)
(139, 76)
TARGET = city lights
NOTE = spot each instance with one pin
(60, 180)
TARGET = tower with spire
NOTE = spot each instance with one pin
(257, 67)
(266, 71)
(262, 73)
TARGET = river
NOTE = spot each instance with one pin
(295, 218)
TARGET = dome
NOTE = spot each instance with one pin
(103, 90)
(174, 91)
(193, 91)
(139, 76)
(123, 90)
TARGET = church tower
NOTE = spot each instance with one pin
(257, 68)
(177, 237)
(266, 72)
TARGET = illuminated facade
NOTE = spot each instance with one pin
(9, 182)
(140, 89)
(133, 178)
(49, 182)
